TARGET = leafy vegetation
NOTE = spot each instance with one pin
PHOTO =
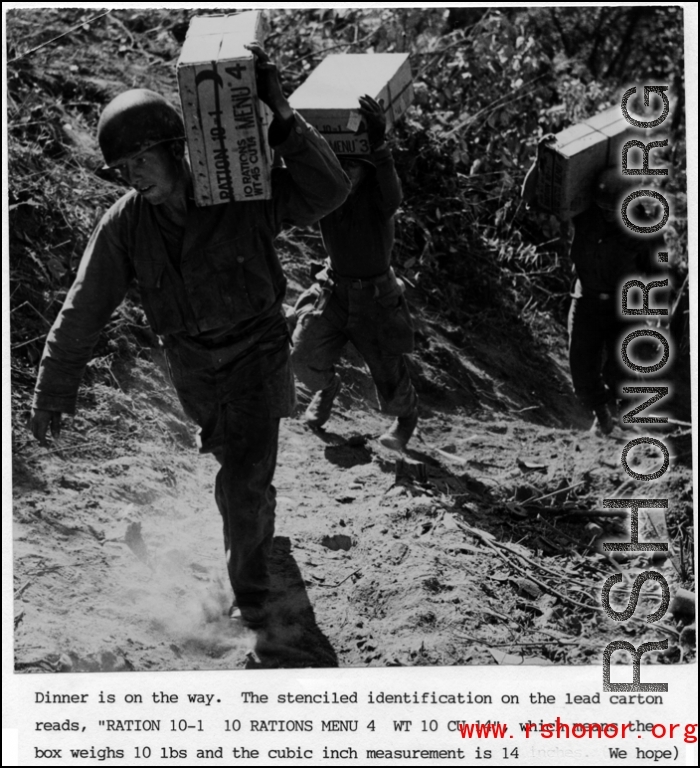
(489, 83)
(508, 482)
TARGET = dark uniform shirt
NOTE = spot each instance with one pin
(215, 286)
(359, 235)
(606, 254)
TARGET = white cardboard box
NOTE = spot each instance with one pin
(225, 122)
(328, 98)
(612, 123)
(568, 166)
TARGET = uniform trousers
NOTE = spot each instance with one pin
(595, 331)
(237, 398)
(374, 316)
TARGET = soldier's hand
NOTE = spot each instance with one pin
(40, 421)
(373, 113)
(548, 138)
(267, 79)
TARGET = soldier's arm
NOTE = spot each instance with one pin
(388, 194)
(100, 285)
(313, 184)
(387, 191)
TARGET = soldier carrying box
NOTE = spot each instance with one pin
(357, 297)
(605, 254)
(212, 288)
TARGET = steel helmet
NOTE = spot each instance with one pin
(135, 121)
(609, 187)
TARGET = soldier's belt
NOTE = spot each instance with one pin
(360, 283)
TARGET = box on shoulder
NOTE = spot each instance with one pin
(612, 123)
(568, 166)
(225, 121)
(328, 99)
(567, 169)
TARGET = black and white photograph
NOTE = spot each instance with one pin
(349, 338)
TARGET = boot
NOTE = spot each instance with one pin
(398, 435)
(253, 616)
(319, 410)
(603, 419)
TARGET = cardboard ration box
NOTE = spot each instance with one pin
(612, 123)
(567, 169)
(328, 98)
(568, 166)
(225, 122)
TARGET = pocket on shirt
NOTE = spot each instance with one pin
(233, 275)
(158, 303)
(149, 273)
(258, 281)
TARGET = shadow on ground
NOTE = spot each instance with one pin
(291, 637)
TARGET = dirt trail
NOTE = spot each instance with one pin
(477, 547)
(378, 559)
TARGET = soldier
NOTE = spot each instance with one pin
(212, 288)
(357, 297)
(605, 254)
